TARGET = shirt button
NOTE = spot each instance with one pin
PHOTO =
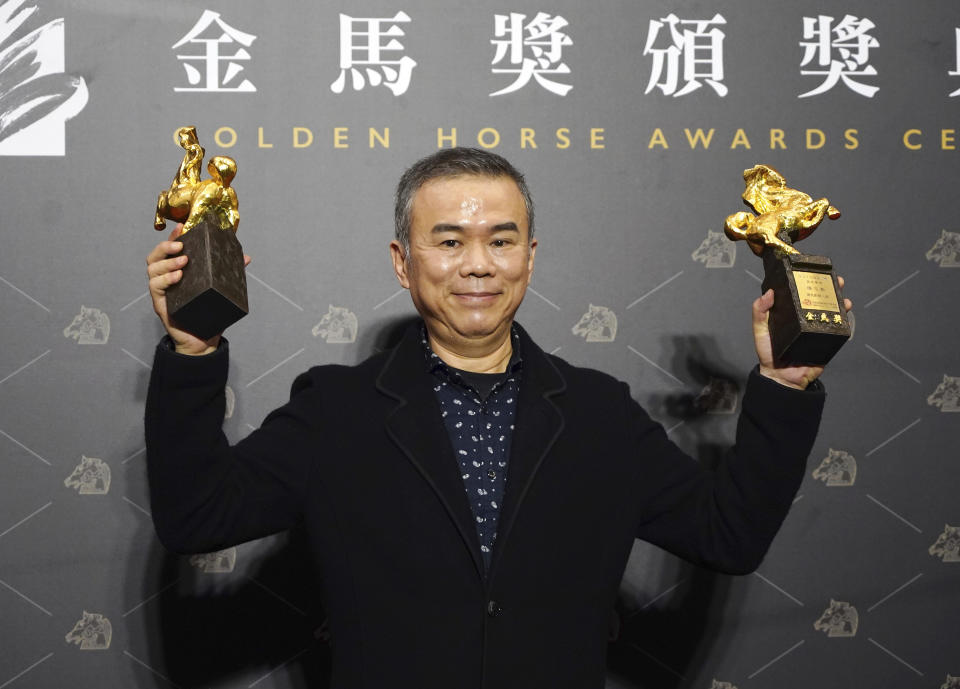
(492, 474)
(494, 609)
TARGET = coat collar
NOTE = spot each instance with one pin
(415, 425)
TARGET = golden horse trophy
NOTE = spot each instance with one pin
(808, 323)
(212, 294)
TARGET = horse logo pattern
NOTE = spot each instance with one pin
(338, 326)
(840, 619)
(946, 251)
(947, 394)
(598, 324)
(719, 396)
(715, 251)
(838, 468)
(90, 326)
(951, 683)
(90, 477)
(92, 632)
(220, 562)
(947, 547)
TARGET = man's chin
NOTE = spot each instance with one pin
(477, 332)
(474, 330)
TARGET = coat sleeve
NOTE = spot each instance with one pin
(206, 495)
(726, 519)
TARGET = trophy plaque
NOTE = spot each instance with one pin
(212, 294)
(808, 322)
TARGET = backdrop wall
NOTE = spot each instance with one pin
(633, 122)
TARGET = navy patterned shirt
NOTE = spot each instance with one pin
(478, 412)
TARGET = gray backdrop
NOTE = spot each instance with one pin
(624, 204)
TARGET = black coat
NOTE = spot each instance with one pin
(360, 456)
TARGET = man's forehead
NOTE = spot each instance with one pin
(468, 179)
(471, 204)
(468, 195)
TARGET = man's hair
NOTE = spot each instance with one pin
(447, 163)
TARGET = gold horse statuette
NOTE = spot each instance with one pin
(189, 199)
(779, 208)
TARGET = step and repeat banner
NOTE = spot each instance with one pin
(633, 122)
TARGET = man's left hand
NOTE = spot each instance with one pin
(798, 377)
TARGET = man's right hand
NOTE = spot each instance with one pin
(163, 271)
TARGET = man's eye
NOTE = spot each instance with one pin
(500, 243)
(451, 243)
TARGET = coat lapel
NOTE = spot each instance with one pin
(416, 426)
(538, 424)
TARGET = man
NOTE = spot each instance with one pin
(470, 500)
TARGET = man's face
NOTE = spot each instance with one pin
(470, 257)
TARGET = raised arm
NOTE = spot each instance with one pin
(727, 518)
(205, 494)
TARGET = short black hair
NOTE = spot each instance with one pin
(452, 162)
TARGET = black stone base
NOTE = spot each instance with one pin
(803, 334)
(212, 294)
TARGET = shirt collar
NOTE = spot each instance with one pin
(434, 362)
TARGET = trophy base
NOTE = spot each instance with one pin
(212, 294)
(808, 323)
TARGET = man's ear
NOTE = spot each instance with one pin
(399, 258)
(532, 254)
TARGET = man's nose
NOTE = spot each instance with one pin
(476, 260)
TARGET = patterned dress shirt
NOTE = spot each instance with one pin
(478, 412)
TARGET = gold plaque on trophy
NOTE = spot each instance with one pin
(815, 291)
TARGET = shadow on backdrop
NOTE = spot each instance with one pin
(669, 612)
(263, 619)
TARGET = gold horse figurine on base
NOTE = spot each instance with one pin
(189, 199)
(779, 208)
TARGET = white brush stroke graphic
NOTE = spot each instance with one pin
(36, 96)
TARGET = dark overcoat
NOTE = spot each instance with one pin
(360, 457)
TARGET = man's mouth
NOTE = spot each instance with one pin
(476, 296)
